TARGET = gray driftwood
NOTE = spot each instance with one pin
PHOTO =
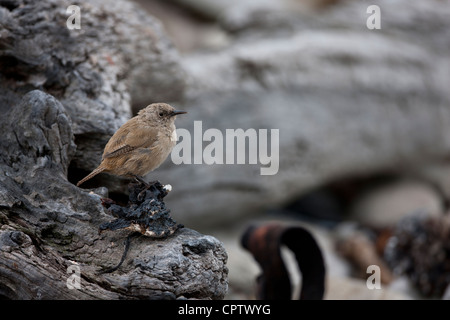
(62, 92)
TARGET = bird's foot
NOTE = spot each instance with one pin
(143, 182)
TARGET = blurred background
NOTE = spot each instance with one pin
(364, 145)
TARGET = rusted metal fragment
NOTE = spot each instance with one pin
(265, 242)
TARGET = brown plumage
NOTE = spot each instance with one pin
(141, 144)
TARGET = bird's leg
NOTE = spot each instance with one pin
(144, 186)
(142, 181)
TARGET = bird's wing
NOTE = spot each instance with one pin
(128, 138)
(120, 150)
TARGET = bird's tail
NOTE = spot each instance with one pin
(90, 175)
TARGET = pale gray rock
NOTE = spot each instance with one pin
(386, 205)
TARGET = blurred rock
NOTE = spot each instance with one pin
(384, 206)
(362, 253)
(439, 175)
(188, 32)
(419, 248)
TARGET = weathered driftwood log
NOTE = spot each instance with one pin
(61, 90)
(48, 224)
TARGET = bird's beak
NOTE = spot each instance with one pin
(177, 112)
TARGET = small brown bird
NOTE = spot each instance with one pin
(141, 144)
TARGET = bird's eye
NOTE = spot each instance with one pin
(161, 114)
